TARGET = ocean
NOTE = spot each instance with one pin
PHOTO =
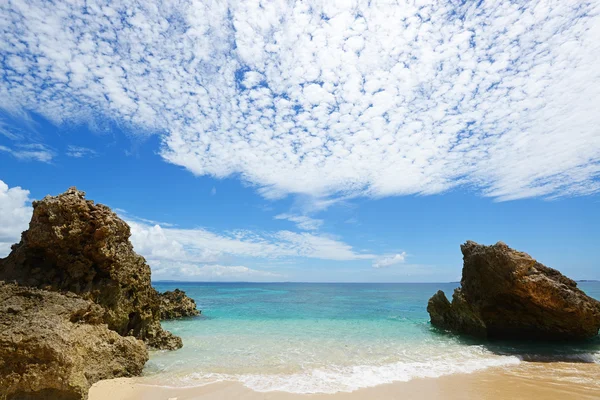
(329, 337)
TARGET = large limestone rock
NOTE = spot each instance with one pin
(75, 245)
(55, 346)
(176, 304)
(507, 294)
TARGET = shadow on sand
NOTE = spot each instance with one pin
(586, 351)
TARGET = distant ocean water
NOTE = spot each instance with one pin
(326, 338)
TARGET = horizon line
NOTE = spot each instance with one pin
(323, 282)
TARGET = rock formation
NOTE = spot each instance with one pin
(507, 294)
(176, 304)
(75, 245)
(55, 346)
(79, 306)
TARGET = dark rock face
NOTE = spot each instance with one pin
(75, 245)
(55, 346)
(507, 294)
(457, 316)
(176, 304)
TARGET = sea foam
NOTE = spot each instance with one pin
(348, 379)
(335, 379)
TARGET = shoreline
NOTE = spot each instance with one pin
(528, 380)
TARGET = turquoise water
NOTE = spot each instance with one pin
(324, 338)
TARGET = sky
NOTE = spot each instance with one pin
(312, 141)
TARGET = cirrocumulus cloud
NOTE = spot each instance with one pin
(327, 98)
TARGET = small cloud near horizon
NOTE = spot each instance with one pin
(209, 272)
(388, 261)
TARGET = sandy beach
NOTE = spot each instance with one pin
(548, 381)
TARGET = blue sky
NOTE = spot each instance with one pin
(315, 141)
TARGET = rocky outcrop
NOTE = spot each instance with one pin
(176, 304)
(55, 346)
(75, 245)
(505, 293)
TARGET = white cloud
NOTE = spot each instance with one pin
(30, 152)
(79, 152)
(17, 124)
(15, 213)
(302, 221)
(328, 98)
(213, 191)
(200, 254)
(188, 254)
(129, 217)
(203, 246)
(388, 261)
(9, 132)
(319, 246)
(215, 272)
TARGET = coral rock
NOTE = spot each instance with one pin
(55, 346)
(73, 244)
(176, 304)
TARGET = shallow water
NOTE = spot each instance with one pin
(325, 338)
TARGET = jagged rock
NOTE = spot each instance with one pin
(176, 304)
(55, 346)
(75, 245)
(507, 294)
(457, 316)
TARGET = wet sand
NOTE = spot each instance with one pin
(547, 381)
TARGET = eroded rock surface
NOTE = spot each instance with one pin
(505, 293)
(55, 346)
(73, 244)
(176, 304)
